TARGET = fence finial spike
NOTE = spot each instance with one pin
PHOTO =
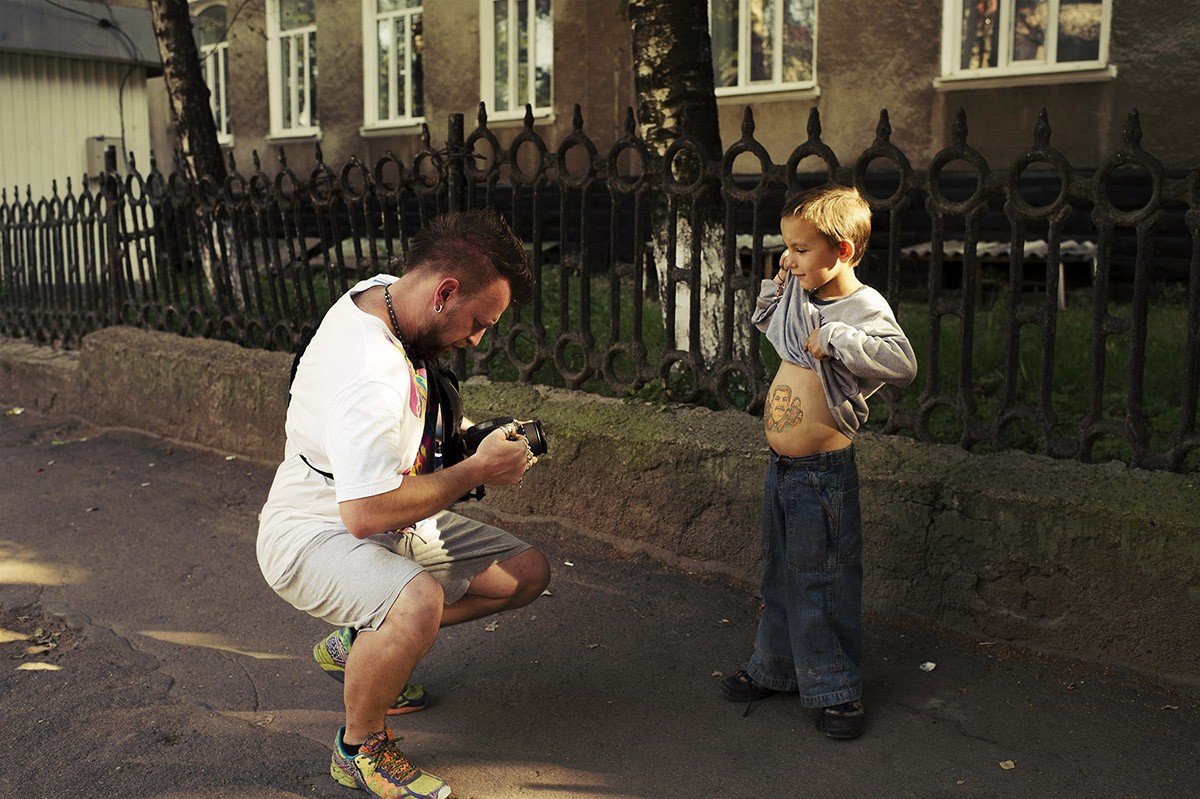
(630, 123)
(814, 124)
(577, 118)
(282, 157)
(425, 133)
(320, 153)
(254, 158)
(54, 187)
(132, 162)
(528, 116)
(883, 130)
(232, 162)
(747, 122)
(482, 116)
(68, 184)
(1041, 129)
(958, 129)
(1133, 129)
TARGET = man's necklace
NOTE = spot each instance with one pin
(387, 297)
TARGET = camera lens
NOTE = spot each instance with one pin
(535, 436)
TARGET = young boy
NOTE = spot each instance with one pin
(840, 343)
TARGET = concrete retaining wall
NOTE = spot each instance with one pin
(1095, 561)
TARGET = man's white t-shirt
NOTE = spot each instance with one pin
(356, 411)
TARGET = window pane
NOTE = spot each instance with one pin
(797, 41)
(723, 20)
(396, 5)
(762, 39)
(521, 84)
(285, 82)
(1079, 30)
(545, 55)
(384, 28)
(402, 61)
(223, 119)
(310, 117)
(210, 26)
(417, 66)
(979, 34)
(500, 55)
(296, 13)
(1029, 30)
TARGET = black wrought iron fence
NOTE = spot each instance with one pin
(980, 263)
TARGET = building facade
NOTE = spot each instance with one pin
(361, 76)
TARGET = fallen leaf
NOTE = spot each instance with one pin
(1170, 707)
(1007, 764)
(15, 412)
(36, 665)
(724, 621)
(491, 626)
(718, 674)
(89, 510)
(547, 593)
(7, 636)
(230, 457)
(928, 666)
(568, 563)
(38, 649)
(58, 442)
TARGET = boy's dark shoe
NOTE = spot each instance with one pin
(741, 687)
(843, 722)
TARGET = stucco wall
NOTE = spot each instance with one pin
(1095, 561)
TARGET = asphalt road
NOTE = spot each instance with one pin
(144, 656)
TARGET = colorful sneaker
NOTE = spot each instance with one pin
(331, 653)
(380, 768)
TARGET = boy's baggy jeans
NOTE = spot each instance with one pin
(810, 635)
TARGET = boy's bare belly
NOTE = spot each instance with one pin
(796, 417)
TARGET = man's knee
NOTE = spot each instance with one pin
(532, 573)
(419, 606)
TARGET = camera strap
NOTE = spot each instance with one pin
(445, 400)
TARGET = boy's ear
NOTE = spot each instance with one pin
(845, 250)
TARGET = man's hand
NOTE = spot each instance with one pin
(503, 460)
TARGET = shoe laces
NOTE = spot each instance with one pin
(387, 756)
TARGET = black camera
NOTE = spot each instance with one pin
(532, 430)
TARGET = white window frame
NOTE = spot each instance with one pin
(1019, 73)
(299, 73)
(371, 116)
(487, 63)
(214, 61)
(744, 85)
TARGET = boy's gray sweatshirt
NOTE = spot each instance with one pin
(866, 346)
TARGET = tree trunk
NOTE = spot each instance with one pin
(673, 73)
(200, 154)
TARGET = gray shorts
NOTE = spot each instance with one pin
(352, 582)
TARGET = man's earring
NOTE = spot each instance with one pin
(437, 309)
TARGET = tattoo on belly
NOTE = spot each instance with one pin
(783, 410)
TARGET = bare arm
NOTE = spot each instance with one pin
(498, 461)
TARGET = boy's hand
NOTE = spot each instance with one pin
(813, 345)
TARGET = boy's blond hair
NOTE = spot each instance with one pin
(839, 213)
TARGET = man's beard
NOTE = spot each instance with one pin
(431, 343)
